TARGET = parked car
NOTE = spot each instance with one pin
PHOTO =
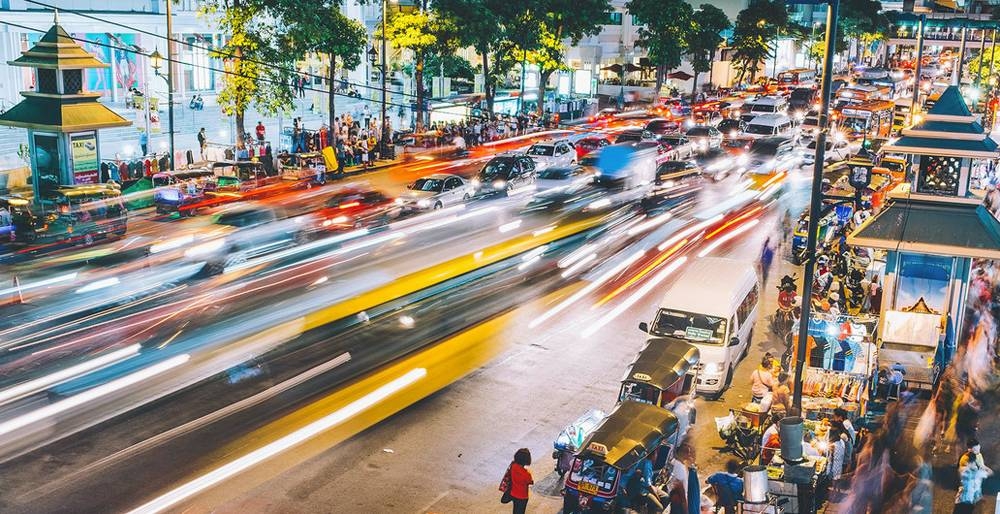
(705, 137)
(559, 152)
(503, 174)
(434, 192)
(680, 145)
(562, 176)
(589, 144)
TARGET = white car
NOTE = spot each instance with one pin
(836, 151)
(681, 148)
(558, 177)
(434, 192)
(552, 153)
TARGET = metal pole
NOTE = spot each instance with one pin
(915, 106)
(816, 200)
(993, 53)
(170, 78)
(982, 55)
(520, 97)
(385, 131)
(957, 72)
(145, 102)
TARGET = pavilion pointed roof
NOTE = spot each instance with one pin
(57, 50)
(948, 129)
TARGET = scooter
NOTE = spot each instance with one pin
(783, 319)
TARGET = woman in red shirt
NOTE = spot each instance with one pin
(520, 479)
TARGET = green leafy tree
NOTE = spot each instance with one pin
(251, 41)
(320, 26)
(665, 29)
(562, 20)
(704, 40)
(754, 35)
(484, 25)
(422, 31)
(979, 66)
(862, 21)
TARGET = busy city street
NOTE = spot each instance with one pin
(462, 256)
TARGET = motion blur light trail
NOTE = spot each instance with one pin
(291, 440)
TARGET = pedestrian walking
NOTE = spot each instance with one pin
(971, 472)
(516, 480)
(202, 142)
(144, 142)
(766, 258)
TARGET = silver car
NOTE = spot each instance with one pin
(549, 154)
(434, 192)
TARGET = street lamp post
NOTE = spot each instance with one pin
(816, 199)
(156, 60)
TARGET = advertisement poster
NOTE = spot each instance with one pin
(84, 153)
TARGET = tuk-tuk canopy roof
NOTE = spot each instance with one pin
(629, 434)
(662, 362)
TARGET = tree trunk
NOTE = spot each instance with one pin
(240, 129)
(418, 75)
(694, 86)
(659, 84)
(711, 69)
(331, 103)
(543, 80)
(487, 83)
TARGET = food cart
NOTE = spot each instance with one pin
(302, 166)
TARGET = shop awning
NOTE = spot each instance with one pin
(953, 229)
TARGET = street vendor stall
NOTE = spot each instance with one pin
(302, 166)
(841, 358)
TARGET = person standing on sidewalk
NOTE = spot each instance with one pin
(520, 479)
(260, 132)
(202, 142)
(766, 258)
(144, 142)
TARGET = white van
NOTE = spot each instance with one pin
(713, 305)
(764, 105)
(769, 125)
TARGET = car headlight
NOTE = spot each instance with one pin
(499, 184)
(338, 220)
(713, 368)
(399, 201)
(476, 183)
(742, 160)
(424, 203)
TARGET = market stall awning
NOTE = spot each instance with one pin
(947, 4)
(952, 229)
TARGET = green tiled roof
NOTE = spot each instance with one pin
(950, 126)
(65, 115)
(960, 230)
(950, 103)
(932, 144)
(58, 51)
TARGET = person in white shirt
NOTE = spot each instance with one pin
(762, 380)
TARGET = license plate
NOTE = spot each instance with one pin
(588, 488)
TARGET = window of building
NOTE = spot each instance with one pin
(615, 18)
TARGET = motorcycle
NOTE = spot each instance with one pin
(783, 319)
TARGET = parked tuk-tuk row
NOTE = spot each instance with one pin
(64, 214)
(600, 457)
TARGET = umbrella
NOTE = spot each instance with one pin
(680, 75)
(629, 68)
(615, 68)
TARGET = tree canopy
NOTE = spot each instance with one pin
(664, 33)
(709, 21)
(754, 35)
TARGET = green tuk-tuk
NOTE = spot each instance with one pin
(65, 214)
(635, 435)
(663, 374)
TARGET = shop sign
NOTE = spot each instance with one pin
(83, 148)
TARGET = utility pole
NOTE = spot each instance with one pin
(385, 129)
(915, 106)
(170, 78)
(816, 200)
